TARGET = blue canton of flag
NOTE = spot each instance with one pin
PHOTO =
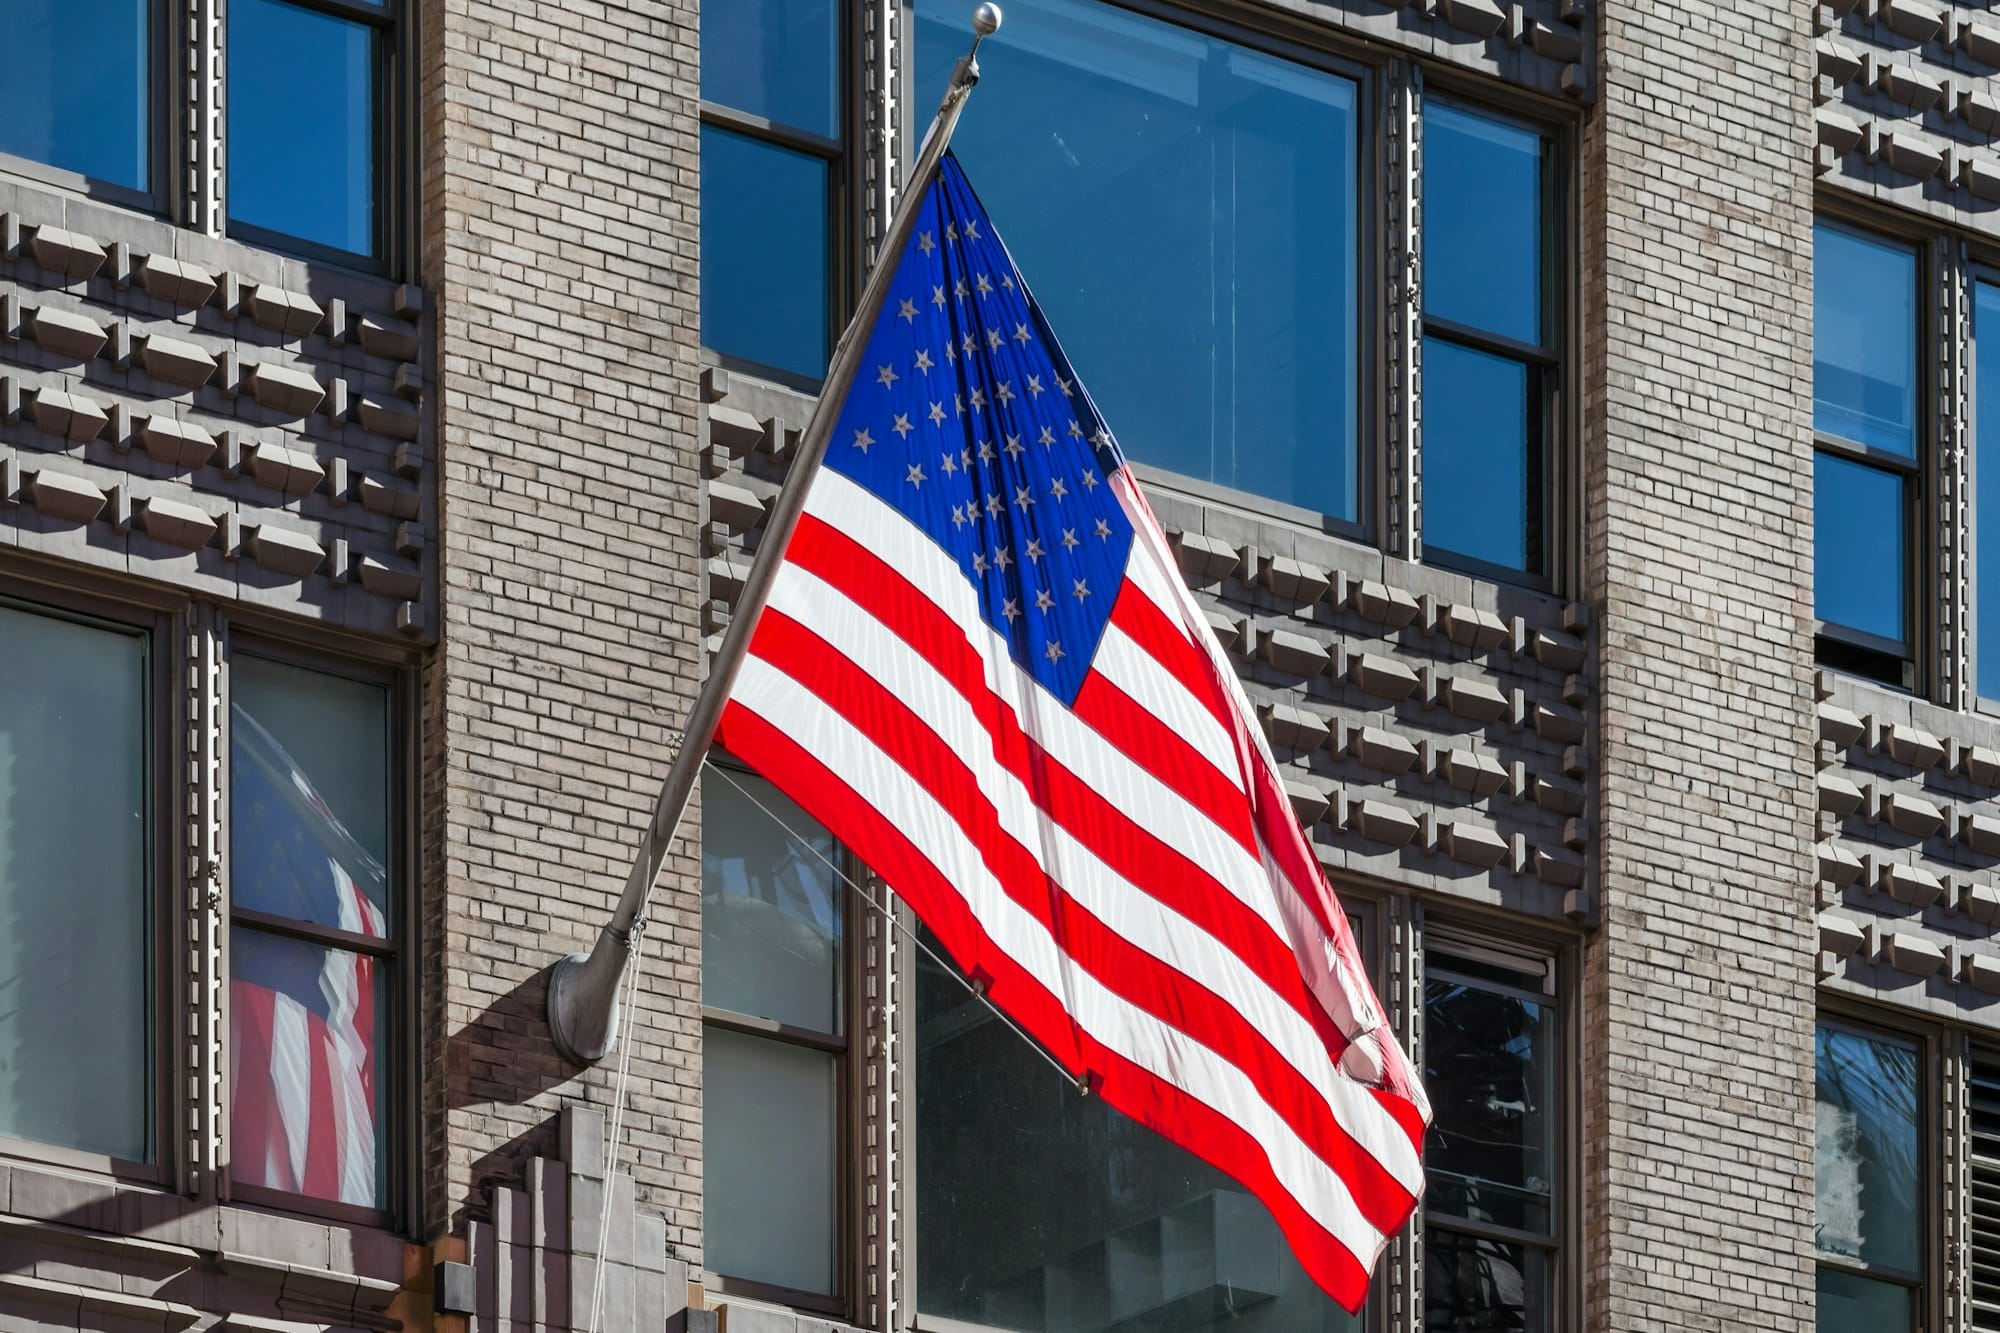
(966, 416)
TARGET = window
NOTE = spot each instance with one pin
(308, 172)
(1490, 362)
(1866, 467)
(1039, 1209)
(76, 888)
(1986, 490)
(1869, 1226)
(313, 938)
(308, 91)
(771, 149)
(774, 995)
(1150, 177)
(1491, 1052)
(79, 92)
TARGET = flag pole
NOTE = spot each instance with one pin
(583, 988)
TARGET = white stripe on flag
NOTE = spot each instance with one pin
(291, 1081)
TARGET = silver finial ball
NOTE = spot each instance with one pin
(986, 19)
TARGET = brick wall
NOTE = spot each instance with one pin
(1699, 987)
(560, 209)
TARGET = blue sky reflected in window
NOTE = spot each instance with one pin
(1185, 212)
(1864, 339)
(1986, 484)
(779, 59)
(763, 253)
(1478, 486)
(77, 92)
(310, 176)
(1859, 547)
(1482, 223)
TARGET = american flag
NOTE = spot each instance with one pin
(302, 1016)
(979, 668)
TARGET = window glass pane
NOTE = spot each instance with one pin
(75, 919)
(309, 796)
(769, 1160)
(1482, 224)
(1472, 1284)
(774, 58)
(78, 88)
(1865, 1149)
(1859, 547)
(770, 907)
(1482, 457)
(305, 1066)
(1986, 485)
(1864, 340)
(1185, 210)
(1850, 1304)
(313, 176)
(1489, 1065)
(764, 250)
(1043, 1210)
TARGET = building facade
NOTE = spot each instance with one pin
(1569, 412)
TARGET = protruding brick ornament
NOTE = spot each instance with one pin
(176, 361)
(70, 337)
(283, 389)
(176, 524)
(71, 499)
(1379, 821)
(71, 254)
(292, 314)
(176, 443)
(179, 284)
(69, 416)
(1294, 729)
(289, 553)
(289, 471)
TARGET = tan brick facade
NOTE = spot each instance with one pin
(506, 474)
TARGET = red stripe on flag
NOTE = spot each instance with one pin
(1167, 643)
(1127, 1087)
(1169, 995)
(256, 1129)
(323, 1134)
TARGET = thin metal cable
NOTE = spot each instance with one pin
(615, 1133)
(887, 915)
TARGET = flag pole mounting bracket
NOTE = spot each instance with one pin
(583, 1008)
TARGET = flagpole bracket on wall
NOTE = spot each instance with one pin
(583, 1003)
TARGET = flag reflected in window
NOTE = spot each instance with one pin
(310, 937)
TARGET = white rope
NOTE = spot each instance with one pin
(615, 1133)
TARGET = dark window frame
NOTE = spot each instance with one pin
(1552, 381)
(1463, 939)
(154, 622)
(396, 1064)
(392, 56)
(845, 206)
(1900, 665)
(165, 120)
(844, 1049)
(1927, 1284)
